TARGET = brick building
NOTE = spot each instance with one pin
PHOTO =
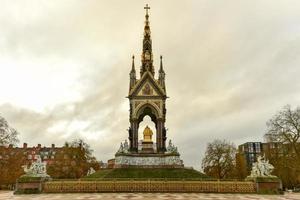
(249, 151)
(30, 153)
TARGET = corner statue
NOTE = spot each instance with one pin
(261, 168)
(147, 97)
(36, 169)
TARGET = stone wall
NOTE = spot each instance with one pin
(148, 160)
(150, 186)
(29, 187)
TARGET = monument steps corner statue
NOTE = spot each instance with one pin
(36, 169)
(261, 169)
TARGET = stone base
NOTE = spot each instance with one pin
(150, 160)
(267, 185)
(147, 148)
(30, 184)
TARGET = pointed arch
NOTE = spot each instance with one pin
(149, 109)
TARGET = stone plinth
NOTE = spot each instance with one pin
(149, 160)
(267, 185)
(30, 185)
(147, 147)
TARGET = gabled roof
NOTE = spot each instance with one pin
(147, 77)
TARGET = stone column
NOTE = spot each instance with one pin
(130, 137)
(160, 136)
(133, 136)
(164, 137)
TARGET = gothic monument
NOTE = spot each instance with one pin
(147, 96)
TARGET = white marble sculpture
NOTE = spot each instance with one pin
(36, 169)
(149, 160)
(172, 157)
(261, 168)
(90, 171)
(121, 148)
(172, 148)
(124, 148)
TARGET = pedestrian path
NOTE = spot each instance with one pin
(148, 196)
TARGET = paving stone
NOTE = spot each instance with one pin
(5, 195)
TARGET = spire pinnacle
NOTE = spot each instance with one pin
(161, 76)
(147, 8)
(147, 57)
(161, 64)
(132, 75)
(133, 67)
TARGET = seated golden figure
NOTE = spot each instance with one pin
(147, 134)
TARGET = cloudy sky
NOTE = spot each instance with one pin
(231, 65)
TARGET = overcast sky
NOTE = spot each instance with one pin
(230, 65)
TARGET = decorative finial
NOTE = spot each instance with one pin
(147, 8)
(161, 64)
(132, 63)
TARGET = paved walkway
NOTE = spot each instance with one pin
(147, 196)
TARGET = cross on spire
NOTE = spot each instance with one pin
(147, 8)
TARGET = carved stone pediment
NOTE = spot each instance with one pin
(147, 86)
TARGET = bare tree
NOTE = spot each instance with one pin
(285, 126)
(74, 161)
(219, 160)
(8, 135)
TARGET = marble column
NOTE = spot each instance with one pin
(133, 136)
(160, 136)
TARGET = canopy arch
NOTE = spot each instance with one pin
(147, 109)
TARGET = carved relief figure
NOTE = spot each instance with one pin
(147, 90)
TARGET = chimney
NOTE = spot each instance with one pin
(25, 145)
(53, 146)
(39, 146)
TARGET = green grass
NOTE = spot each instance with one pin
(26, 179)
(140, 173)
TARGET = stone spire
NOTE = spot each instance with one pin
(147, 56)
(162, 74)
(132, 74)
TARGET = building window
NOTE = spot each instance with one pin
(250, 147)
(243, 149)
(257, 147)
(251, 158)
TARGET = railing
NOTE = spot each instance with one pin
(150, 185)
(150, 179)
